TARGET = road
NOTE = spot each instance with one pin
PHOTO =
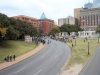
(93, 66)
(49, 61)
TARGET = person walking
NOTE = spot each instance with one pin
(10, 58)
(5, 59)
(14, 57)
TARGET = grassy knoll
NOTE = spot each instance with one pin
(14, 47)
(79, 54)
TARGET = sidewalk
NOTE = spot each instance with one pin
(22, 57)
(74, 70)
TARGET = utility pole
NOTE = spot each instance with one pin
(88, 48)
(98, 39)
(75, 41)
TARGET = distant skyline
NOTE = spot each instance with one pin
(53, 9)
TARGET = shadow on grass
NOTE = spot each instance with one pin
(5, 44)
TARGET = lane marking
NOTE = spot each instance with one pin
(38, 72)
(19, 70)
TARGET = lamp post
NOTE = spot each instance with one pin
(98, 39)
(75, 41)
(88, 48)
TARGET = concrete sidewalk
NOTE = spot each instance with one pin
(22, 57)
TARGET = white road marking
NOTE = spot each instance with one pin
(38, 72)
(45, 54)
(19, 70)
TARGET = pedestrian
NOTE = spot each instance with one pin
(72, 45)
(10, 57)
(48, 42)
(43, 42)
(14, 57)
(7, 58)
(84, 40)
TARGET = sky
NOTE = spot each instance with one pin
(53, 9)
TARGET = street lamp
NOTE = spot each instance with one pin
(98, 39)
(88, 48)
(75, 41)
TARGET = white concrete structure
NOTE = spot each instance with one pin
(28, 38)
(62, 35)
(70, 20)
(73, 34)
(88, 34)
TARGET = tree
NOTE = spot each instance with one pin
(98, 29)
(23, 28)
(15, 29)
(55, 30)
(3, 31)
(12, 33)
(4, 20)
(70, 28)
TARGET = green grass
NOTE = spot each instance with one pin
(79, 53)
(14, 47)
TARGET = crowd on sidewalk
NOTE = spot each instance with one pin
(10, 58)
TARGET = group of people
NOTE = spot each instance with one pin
(49, 41)
(10, 58)
(43, 41)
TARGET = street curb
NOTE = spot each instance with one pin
(67, 61)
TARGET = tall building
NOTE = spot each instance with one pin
(35, 22)
(77, 15)
(46, 25)
(62, 21)
(69, 20)
(43, 24)
(96, 3)
(88, 5)
(90, 18)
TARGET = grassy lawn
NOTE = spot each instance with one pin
(14, 47)
(79, 54)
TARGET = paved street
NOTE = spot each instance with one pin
(49, 61)
(93, 66)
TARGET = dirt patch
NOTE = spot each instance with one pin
(74, 70)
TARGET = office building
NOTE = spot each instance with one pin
(77, 15)
(35, 22)
(43, 24)
(46, 25)
(70, 20)
(90, 19)
(88, 5)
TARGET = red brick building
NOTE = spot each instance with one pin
(45, 25)
(35, 22)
